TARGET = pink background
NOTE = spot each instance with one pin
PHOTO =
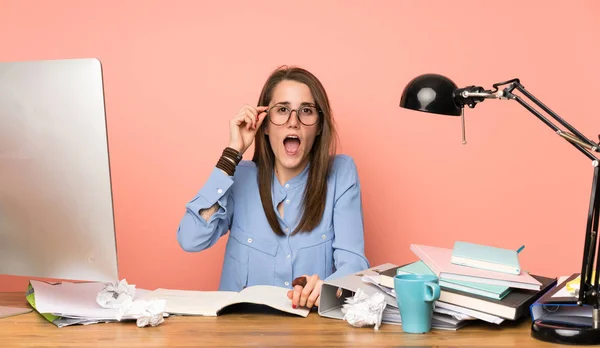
(176, 71)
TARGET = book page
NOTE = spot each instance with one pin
(186, 302)
(272, 296)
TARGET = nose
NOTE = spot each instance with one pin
(293, 121)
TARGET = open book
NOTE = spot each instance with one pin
(210, 303)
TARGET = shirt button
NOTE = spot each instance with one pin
(219, 191)
(289, 255)
(287, 185)
(250, 240)
(287, 283)
(323, 236)
(287, 201)
(287, 229)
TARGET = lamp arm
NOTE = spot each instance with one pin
(589, 289)
(576, 136)
(593, 145)
(579, 144)
(471, 95)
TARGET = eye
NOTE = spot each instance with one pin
(307, 111)
(282, 109)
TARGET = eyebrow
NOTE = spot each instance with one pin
(287, 103)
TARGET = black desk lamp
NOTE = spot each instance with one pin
(439, 95)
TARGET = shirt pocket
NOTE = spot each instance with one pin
(316, 251)
(257, 255)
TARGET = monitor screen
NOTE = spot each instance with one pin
(56, 209)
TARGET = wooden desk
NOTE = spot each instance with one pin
(248, 329)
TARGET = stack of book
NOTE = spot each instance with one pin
(479, 281)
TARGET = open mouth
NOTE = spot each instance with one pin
(291, 144)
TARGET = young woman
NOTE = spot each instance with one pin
(294, 212)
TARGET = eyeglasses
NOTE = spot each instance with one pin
(280, 114)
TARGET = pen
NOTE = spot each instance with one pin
(521, 248)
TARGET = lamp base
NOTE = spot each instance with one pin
(566, 330)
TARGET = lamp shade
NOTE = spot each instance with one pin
(431, 93)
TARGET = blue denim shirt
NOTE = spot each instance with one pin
(254, 254)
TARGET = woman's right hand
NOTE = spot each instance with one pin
(243, 127)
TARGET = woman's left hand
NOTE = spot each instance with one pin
(307, 291)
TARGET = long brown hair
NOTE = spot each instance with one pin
(320, 157)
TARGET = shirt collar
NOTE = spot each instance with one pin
(294, 182)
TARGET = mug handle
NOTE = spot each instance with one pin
(434, 295)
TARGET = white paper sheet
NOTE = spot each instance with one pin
(75, 300)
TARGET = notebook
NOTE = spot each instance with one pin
(211, 303)
(495, 292)
(486, 257)
(439, 260)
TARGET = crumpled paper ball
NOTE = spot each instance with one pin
(120, 296)
(364, 310)
(147, 312)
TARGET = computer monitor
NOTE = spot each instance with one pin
(56, 208)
